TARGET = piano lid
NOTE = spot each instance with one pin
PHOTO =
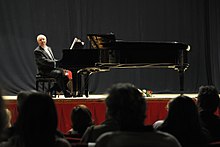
(149, 45)
(101, 41)
(150, 52)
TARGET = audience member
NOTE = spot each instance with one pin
(126, 111)
(21, 97)
(183, 122)
(6, 133)
(81, 119)
(36, 124)
(208, 103)
(159, 122)
(3, 117)
(8, 115)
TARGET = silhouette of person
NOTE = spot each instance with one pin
(81, 119)
(36, 124)
(208, 103)
(4, 118)
(126, 111)
(183, 122)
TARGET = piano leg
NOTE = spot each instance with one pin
(84, 75)
(79, 92)
(181, 78)
(76, 84)
(86, 84)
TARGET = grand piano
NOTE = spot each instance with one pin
(106, 52)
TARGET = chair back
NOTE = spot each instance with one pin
(44, 83)
(136, 139)
(214, 144)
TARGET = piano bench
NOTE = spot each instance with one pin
(44, 84)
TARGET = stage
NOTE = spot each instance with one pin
(156, 108)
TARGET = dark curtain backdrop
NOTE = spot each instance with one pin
(195, 22)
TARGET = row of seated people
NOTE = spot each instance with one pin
(192, 122)
(184, 125)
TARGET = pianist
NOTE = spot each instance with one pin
(48, 65)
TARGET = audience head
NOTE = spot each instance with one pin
(208, 98)
(81, 118)
(42, 40)
(182, 109)
(37, 121)
(126, 104)
(182, 119)
(183, 122)
(21, 97)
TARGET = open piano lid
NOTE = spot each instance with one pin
(101, 41)
(151, 52)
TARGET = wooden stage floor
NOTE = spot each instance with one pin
(103, 96)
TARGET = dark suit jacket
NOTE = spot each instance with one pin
(44, 62)
(93, 132)
(212, 123)
(109, 125)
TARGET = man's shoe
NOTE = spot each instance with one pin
(54, 91)
(67, 95)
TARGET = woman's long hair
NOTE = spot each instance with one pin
(183, 120)
(37, 121)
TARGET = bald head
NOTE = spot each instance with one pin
(42, 40)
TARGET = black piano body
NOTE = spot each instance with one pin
(122, 54)
(78, 59)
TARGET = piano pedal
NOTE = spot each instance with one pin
(78, 94)
(58, 94)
